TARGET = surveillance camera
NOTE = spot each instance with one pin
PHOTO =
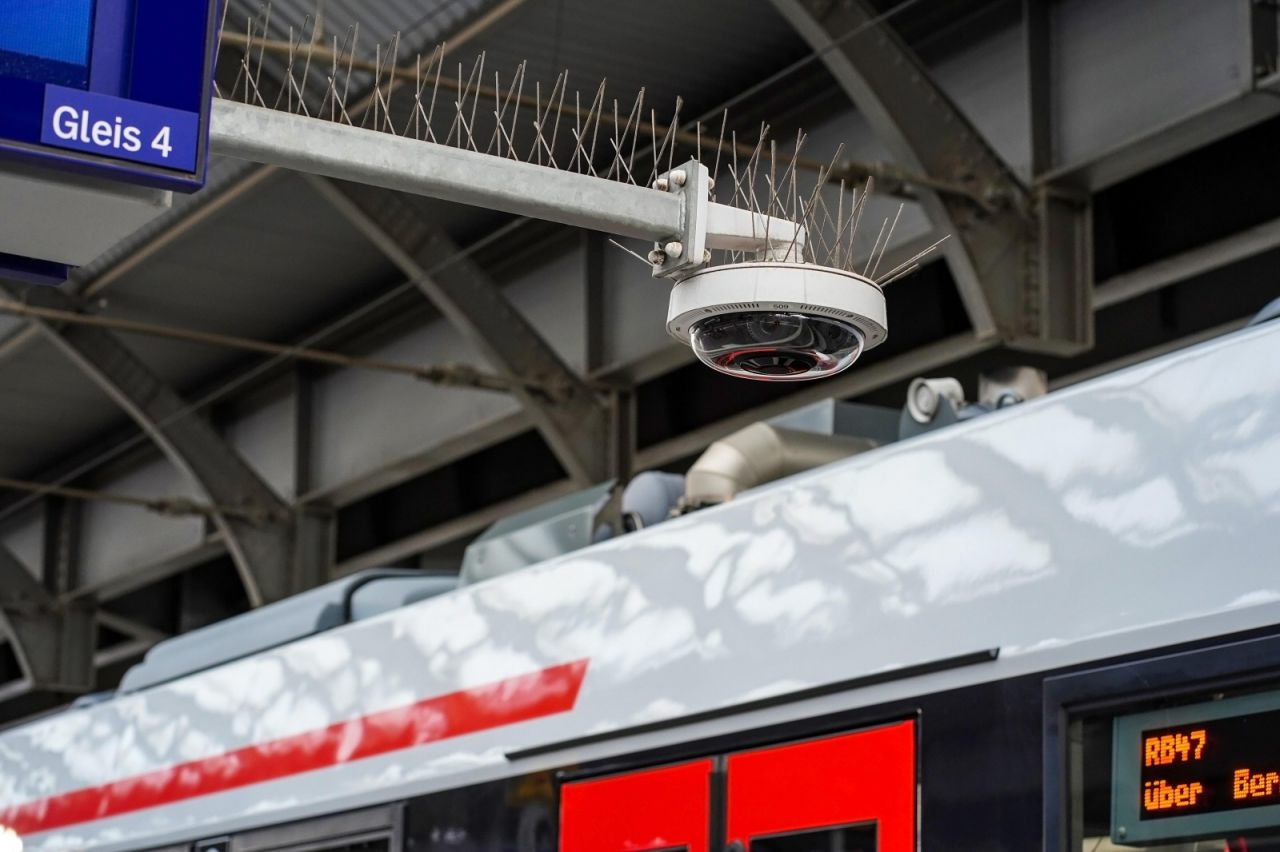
(777, 322)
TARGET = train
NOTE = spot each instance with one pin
(1054, 626)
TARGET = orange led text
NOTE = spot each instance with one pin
(1171, 748)
(1246, 784)
(1163, 796)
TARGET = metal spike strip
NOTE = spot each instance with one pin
(316, 79)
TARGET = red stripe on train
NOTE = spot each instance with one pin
(516, 699)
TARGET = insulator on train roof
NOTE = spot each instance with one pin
(935, 403)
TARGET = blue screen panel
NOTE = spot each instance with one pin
(46, 40)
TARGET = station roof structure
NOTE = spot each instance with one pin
(1168, 150)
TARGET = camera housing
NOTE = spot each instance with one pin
(774, 321)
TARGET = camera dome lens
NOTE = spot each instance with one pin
(774, 347)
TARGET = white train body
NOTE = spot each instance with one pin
(1125, 515)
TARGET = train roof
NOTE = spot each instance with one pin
(1147, 513)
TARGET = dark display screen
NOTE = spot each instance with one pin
(46, 40)
(1211, 766)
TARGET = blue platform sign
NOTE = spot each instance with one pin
(115, 127)
(118, 88)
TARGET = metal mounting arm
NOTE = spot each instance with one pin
(682, 214)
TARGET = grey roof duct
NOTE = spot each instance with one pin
(758, 454)
(793, 442)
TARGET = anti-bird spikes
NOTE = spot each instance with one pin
(310, 72)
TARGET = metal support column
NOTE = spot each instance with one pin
(622, 433)
(995, 255)
(1261, 44)
(313, 546)
(1037, 24)
(313, 556)
(569, 415)
(61, 551)
(262, 547)
(53, 642)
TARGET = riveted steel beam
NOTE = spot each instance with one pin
(260, 539)
(53, 641)
(572, 419)
(1009, 246)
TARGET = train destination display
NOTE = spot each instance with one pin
(1197, 770)
(117, 88)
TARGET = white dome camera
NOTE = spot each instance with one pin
(777, 322)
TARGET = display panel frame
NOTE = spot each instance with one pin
(1127, 826)
(1190, 673)
(133, 45)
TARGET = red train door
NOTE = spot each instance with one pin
(657, 809)
(850, 793)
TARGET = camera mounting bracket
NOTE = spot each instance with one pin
(687, 250)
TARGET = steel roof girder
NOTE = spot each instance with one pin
(571, 418)
(261, 546)
(998, 251)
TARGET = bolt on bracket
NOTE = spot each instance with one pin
(682, 253)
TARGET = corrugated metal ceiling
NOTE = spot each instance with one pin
(670, 47)
(418, 22)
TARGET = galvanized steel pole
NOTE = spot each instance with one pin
(340, 151)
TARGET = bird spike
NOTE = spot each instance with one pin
(390, 88)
